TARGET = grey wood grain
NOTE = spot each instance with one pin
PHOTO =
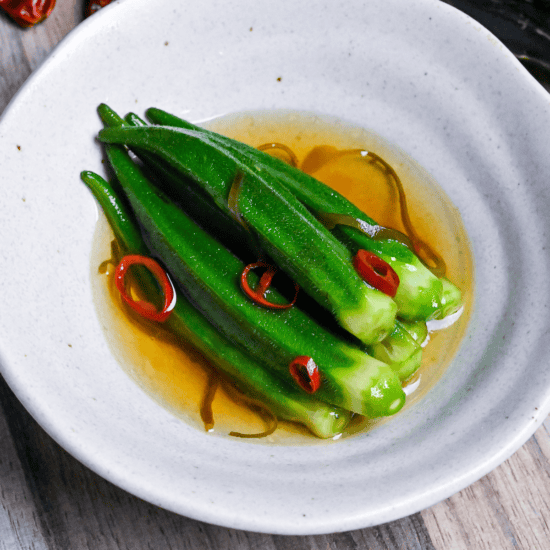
(507, 509)
(19, 527)
(22, 50)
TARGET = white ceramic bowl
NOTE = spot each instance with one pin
(419, 73)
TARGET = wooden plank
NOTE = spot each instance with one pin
(507, 509)
(22, 50)
(14, 66)
(38, 41)
(19, 527)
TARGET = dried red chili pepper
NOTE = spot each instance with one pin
(305, 372)
(258, 294)
(28, 12)
(95, 5)
(376, 272)
(146, 309)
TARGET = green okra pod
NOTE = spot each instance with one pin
(208, 274)
(195, 203)
(286, 230)
(398, 349)
(285, 401)
(420, 292)
(418, 330)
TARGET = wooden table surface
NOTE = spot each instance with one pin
(48, 500)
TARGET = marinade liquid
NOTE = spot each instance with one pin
(178, 377)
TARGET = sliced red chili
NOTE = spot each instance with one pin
(28, 12)
(305, 372)
(146, 309)
(258, 294)
(376, 272)
(95, 5)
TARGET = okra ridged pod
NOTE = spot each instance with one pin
(419, 293)
(208, 274)
(297, 242)
(285, 401)
(398, 349)
(418, 330)
(451, 298)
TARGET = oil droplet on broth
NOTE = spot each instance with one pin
(176, 375)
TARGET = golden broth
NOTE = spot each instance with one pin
(177, 376)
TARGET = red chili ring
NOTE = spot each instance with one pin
(95, 5)
(305, 372)
(376, 272)
(258, 294)
(27, 13)
(146, 309)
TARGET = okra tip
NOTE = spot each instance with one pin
(87, 176)
(108, 116)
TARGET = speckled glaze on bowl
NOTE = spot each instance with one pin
(419, 73)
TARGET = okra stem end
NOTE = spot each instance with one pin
(373, 319)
